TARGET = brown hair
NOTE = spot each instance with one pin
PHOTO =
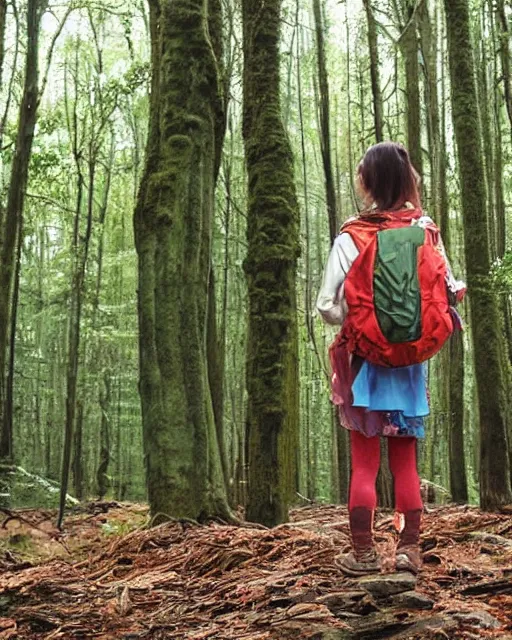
(387, 175)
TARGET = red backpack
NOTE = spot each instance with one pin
(398, 310)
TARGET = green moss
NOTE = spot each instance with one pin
(273, 249)
(488, 340)
(173, 222)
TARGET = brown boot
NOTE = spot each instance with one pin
(363, 558)
(408, 552)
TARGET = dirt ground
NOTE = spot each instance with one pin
(108, 576)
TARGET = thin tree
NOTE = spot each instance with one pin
(3, 20)
(325, 121)
(504, 53)
(10, 217)
(173, 228)
(488, 341)
(270, 266)
(215, 346)
(373, 48)
(408, 43)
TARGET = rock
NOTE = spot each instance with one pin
(358, 603)
(489, 538)
(429, 625)
(341, 600)
(480, 619)
(502, 585)
(333, 634)
(385, 625)
(412, 600)
(384, 585)
(19, 488)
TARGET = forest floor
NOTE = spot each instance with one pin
(107, 576)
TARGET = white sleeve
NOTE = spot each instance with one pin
(331, 302)
(456, 288)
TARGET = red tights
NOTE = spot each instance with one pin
(365, 466)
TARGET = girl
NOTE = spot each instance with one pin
(375, 400)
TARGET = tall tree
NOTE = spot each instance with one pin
(11, 216)
(408, 42)
(3, 19)
(325, 121)
(270, 266)
(488, 341)
(450, 361)
(504, 53)
(173, 228)
(373, 48)
(215, 346)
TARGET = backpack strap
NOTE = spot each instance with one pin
(363, 227)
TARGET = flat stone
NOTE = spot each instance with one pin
(489, 538)
(384, 585)
(353, 602)
(385, 625)
(341, 599)
(331, 635)
(412, 600)
(430, 624)
(479, 618)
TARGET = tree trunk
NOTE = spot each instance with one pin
(9, 386)
(488, 344)
(77, 466)
(3, 18)
(451, 365)
(504, 51)
(216, 361)
(373, 48)
(501, 211)
(270, 266)
(173, 227)
(458, 478)
(325, 127)
(485, 108)
(10, 218)
(215, 348)
(102, 479)
(80, 252)
(409, 48)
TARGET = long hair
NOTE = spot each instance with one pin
(387, 175)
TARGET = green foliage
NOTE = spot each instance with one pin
(502, 273)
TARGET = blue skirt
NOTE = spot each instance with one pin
(401, 394)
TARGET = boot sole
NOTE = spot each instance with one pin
(354, 573)
(407, 566)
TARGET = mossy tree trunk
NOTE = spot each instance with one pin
(451, 359)
(270, 266)
(502, 47)
(488, 340)
(173, 228)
